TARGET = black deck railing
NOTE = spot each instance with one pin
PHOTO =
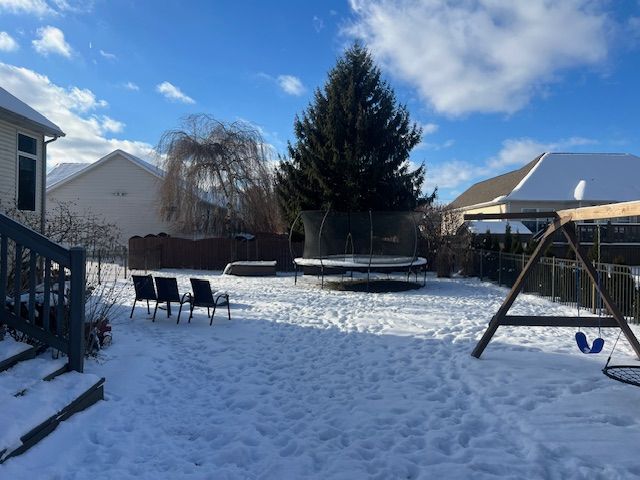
(42, 289)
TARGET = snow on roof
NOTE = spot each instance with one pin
(70, 171)
(496, 227)
(582, 177)
(62, 171)
(17, 108)
(74, 170)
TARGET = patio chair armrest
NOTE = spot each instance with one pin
(186, 298)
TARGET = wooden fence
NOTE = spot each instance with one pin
(153, 252)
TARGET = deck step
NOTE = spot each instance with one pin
(12, 352)
(26, 419)
(19, 378)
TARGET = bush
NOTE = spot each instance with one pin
(444, 262)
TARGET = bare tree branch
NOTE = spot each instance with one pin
(218, 178)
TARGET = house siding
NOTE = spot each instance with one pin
(119, 191)
(9, 165)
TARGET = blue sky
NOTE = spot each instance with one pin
(493, 83)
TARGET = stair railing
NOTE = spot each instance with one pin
(42, 289)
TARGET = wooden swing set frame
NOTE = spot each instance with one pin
(562, 220)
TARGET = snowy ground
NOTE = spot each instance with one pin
(310, 383)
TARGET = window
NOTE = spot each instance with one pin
(534, 224)
(27, 163)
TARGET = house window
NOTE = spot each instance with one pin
(534, 224)
(27, 161)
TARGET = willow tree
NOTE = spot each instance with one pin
(218, 177)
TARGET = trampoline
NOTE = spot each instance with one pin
(370, 242)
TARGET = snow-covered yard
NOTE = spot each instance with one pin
(310, 383)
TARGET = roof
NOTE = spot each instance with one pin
(66, 172)
(493, 188)
(497, 227)
(21, 113)
(62, 171)
(70, 171)
(562, 177)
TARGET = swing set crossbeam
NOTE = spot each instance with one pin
(562, 221)
(548, 321)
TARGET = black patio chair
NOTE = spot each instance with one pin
(167, 293)
(144, 291)
(204, 297)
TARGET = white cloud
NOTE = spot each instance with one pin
(7, 43)
(515, 153)
(108, 124)
(131, 86)
(291, 85)
(51, 40)
(35, 7)
(519, 151)
(83, 100)
(108, 56)
(481, 55)
(73, 110)
(429, 128)
(173, 93)
(318, 23)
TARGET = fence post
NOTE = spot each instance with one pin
(499, 268)
(593, 287)
(553, 279)
(99, 267)
(76, 313)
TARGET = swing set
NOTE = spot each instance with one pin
(564, 221)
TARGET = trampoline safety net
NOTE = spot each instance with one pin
(359, 234)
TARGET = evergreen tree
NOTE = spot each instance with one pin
(517, 244)
(508, 239)
(352, 146)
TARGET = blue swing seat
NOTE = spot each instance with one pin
(583, 345)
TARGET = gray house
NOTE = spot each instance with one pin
(24, 135)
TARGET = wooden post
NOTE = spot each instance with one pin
(76, 314)
(515, 290)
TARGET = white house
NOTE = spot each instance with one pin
(23, 155)
(120, 187)
(555, 181)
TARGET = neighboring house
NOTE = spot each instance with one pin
(23, 156)
(120, 187)
(555, 181)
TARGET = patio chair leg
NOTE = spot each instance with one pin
(214, 312)
(228, 309)
(132, 308)
(179, 312)
(190, 312)
(208, 312)
(154, 312)
(148, 310)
